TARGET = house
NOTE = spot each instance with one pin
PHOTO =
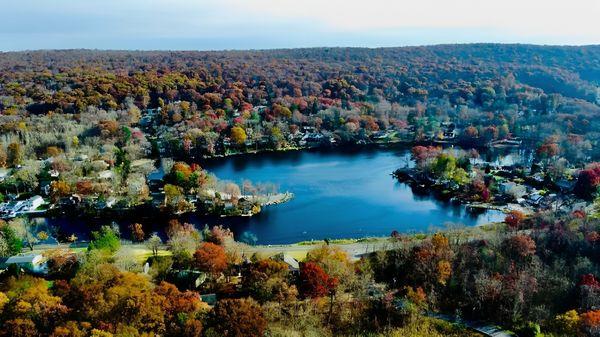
(312, 139)
(10, 209)
(33, 263)
(535, 199)
(513, 189)
(293, 264)
(579, 206)
(380, 135)
(81, 157)
(45, 187)
(155, 179)
(189, 279)
(296, 136)
(34, 202)
(108, 203)
(210, 299)
(14, 208)
(259, 108)
(565, 185)
(106, 174)
(448, 130)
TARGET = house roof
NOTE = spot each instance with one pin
(107, 174)
(21, 259)
(290, 261)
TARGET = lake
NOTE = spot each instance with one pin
(337, 194)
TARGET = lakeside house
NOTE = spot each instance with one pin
(15, 208)
(33, 202)
(33, 263)
(517, 191)
(156, 179)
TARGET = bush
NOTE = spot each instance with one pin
(105, 239)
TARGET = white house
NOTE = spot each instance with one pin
(33, 263)
(34, 202)
(107, 174)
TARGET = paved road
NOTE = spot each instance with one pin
(355, 250)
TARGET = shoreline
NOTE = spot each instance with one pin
(354, 247)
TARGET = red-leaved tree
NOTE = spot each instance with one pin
(514, 219)
(210, 258)
(315, 282)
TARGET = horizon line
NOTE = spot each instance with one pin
(299, 48)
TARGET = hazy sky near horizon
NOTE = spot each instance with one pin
(261, 24)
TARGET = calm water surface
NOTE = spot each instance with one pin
(338, 194)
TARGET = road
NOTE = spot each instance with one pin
(355, 250)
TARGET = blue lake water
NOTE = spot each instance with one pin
(338, 194)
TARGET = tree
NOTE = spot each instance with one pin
(210, 258)
(238, 135)
(53, 151)
(314, 281)
(118, 299)
(548, 149)
(19, 327)
(591, 321)
(14, 154)
(59, 189)
(180, 310)
(31, 295)
(514, 219)
(84, 187)
(588, 181)
(62, 263)
(238, 318)
(568, 323)
(105, 239)
(3, 156)
(3, 301)
(183, 241)
(430, 263)
(519, 247)
(137, 232)
(10, 243)
(69, 329)
(423, 154)
(218, 235)
(153, 243)
(266, 280)
(173, 194)
(334, 261)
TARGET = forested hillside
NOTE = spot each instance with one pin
(120, 135)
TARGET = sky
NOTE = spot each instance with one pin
(265, 24)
